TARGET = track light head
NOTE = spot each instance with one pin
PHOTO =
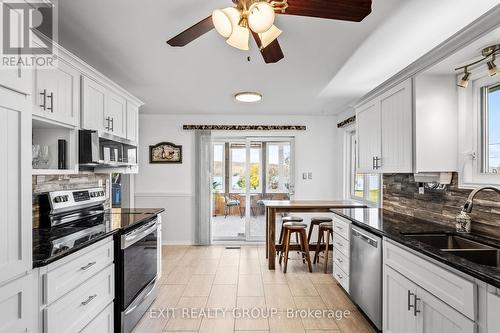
(492, 68)
(464, 81)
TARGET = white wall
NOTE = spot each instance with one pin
(172, 186)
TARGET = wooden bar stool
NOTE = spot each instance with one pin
(300, 230)
(316, 221)
(324, 234)
(284, 220)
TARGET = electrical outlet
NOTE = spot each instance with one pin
(421, 189)
(304, 175)
(310, 175)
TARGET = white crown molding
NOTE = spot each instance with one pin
(480, 27)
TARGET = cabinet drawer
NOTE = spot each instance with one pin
(341, 260)
(74, 311)
(341, 227)
(341, 277)
(66, 274)
(450, 288)
(103, 323)
(341, 244)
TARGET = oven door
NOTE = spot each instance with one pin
(139, 259)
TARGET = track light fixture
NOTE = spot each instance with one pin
(492, 68)
(464, 81)
(489, 54)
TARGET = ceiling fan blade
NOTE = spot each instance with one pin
(346, 10)
(271, 53)
(192, 33)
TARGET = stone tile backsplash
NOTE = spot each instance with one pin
(400, 194)
(47, 183)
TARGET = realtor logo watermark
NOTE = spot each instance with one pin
(29, 31)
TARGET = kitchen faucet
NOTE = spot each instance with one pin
(463, 220)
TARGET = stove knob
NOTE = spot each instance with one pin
(66, 198)
(57, 199)
(92, 194)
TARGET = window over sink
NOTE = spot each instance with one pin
(490, 112)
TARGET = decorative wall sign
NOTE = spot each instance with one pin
(346, 122)
(245, 127)
(165, 152)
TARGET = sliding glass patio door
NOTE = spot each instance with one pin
(246, 172)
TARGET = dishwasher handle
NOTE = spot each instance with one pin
(365, 238)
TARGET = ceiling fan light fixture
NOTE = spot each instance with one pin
(222, 23)
(239, 38)
(248, 97)
(261, 17)
(269, 36)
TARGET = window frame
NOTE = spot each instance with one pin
(350, 168)
(471, 136)
(223, 190)
(259, 163)
(231, 189)
(484, 130)
(281, 173)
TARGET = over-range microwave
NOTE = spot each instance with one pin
(98, 150)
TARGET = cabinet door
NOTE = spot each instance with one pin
(132, 121)
(17, 78)
(57, 94)
(16, 306)
(396, 114)
(15, 184)
(435, 316)
(398, 299)
(93, 105)
(117, 112)
(368, 136)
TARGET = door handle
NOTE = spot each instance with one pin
(44, 94)
(51, 97)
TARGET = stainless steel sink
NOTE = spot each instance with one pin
(482, 257)
(468, 249)
(447, 241)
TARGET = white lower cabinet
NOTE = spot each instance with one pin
(408, 307)
(341, 251)
(103, 323)
(77, 292)
(16, 306)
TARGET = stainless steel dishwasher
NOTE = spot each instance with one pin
(365, 274)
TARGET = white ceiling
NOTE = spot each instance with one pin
(328, 64)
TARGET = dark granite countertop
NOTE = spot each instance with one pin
(394, 226)
(112, 222)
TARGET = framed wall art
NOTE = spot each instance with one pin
(165, 152)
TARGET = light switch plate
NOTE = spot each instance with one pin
(310, 175)
(304, 175)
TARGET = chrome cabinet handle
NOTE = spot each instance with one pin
(112, 124)
(108, 127)
(373, 163)
(377, 160)
(90, 264)
(340, 260)
(88, 300)
(44, 94)
(410, 294)
(339, 244)
(340, 228)
(415, 304)
(339, 276)
(51, 97)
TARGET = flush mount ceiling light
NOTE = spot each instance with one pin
(248, 97)
(489, 55)
(257, 18)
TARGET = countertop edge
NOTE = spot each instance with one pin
(471, 272)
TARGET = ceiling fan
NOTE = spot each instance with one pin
(256, 17)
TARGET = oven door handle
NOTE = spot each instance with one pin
(139, 301)
(134, 237)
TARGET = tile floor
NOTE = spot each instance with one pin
(213, 289)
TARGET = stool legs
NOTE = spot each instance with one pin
(286, 248)
(305, 248)
(326, 236)
(318, 247)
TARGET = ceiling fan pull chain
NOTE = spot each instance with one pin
(280, 5)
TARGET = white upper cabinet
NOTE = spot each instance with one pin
(108, 112)
(93, 105)
(385, 132)
(115, 115)
(132, 121)
(57, 94)
(396, 111)
(15, 185)
(368, 136)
